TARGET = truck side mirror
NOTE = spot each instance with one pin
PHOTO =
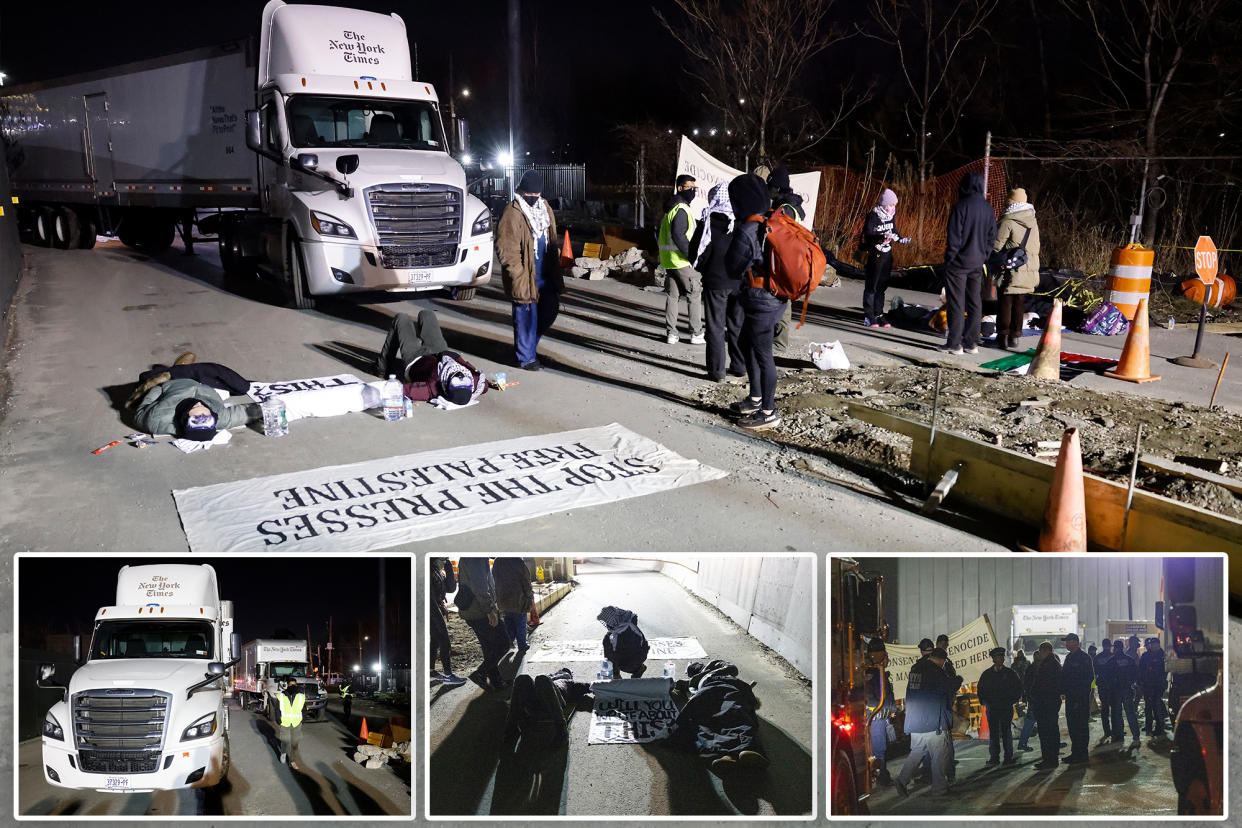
(304, 161)
(216, 668)
(347, 164)
(46, 671)
(77, 650)
(254, 130)
(1160, 615)
(235, 641)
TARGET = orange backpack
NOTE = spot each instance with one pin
(794, 261)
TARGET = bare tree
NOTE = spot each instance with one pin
(929, 36)
(748, 56)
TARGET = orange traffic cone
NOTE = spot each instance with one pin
(1065, 517)
(364, 734)
(1135, 363)
(1047, 362)
(567, 252)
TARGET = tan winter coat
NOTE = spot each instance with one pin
(1009, 234)
(515, 247)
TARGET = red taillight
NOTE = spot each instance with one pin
(843, 723)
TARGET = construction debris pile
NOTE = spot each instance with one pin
(373, 757)
(1008, 410)
(630, 260)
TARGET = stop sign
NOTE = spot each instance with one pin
(1205, 260)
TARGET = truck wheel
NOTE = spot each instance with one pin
(130, 230)
(295, 276)
(66, 229)
(844, 796)
(462, 294)
(225, 762)
(157, 235)
(42, 226)
(90, 229)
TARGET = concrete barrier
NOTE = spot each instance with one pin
(10, 250)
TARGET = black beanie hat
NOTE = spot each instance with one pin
(532, 182)
(181, 422)
(779, 179)
(749, 195)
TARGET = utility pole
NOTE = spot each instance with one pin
(383, 624)
(515, 87)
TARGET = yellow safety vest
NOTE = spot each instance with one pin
(291, 711)
(670, 256)
(345, 691)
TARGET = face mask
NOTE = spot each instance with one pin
(688, 195)
(201, 421)
(532, 200)
(891, 209)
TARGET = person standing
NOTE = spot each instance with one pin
(786, 200)
(942, 641)
(1028, 716)
(1154, 680)
(1020, 663)
(1077, 673)
(722, 305)
(928, 721)
(999, 690)
(879, 233)
(530, 267)
(442, 581)
(881, 706)
(1125, 675)
(514, 597)
(676, 229)
(1017, 224)
(1104, 684)
(1045, 694)
(761, 306)
(347, 700)
(969, 235)
(476, 603)
(291, 701)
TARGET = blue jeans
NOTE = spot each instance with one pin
(515, 627)
(881, 734)
(531, 321)
(762, 312)
(1028, 724)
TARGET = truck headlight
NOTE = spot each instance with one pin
(203, 727)
(52, 728)
(326, 225)
(482, 224)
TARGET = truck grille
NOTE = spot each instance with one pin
(417, 225)
(119, 730)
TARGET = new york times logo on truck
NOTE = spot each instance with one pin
(160, 587)
(355, 48)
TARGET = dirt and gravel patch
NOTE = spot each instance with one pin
(987, 406)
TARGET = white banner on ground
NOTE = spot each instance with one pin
(662, 649)
(968, 650)
(380, 503)
(260, 391)
(709, 171)
(629, 711)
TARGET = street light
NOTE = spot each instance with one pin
(357, 667)
(376, 667)
(741, 100)
(2, 77)
(504, 159)
(465, 93)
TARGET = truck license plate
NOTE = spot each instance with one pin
(117, 783)
(417, 276)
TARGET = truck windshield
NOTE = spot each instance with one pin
(283, 670)
(1030, 643)
(152, 639)
(320, 121)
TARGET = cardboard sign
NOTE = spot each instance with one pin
(968, 650)
(630, 711)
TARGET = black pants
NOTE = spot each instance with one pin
(762, 310)
(537, 706)
(1154, 709)
(1009, 317)
(348, 704)
(410, 340)
(495, 644)
(441, 645)
(723, 315)
(879, 268)
(1077, 722)
(1047, 719)
(1106, 711)
(961, 291)
(1125, 703)
(1000, 731)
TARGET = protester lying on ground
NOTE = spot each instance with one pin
(537, 718)
(185, 367)
(417, 353)
(624, 644)
(718, 720)
(189, 409)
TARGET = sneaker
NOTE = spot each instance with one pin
(724, 765)
(758, 420)
(436, 675)
(752, 759)
(867, 323)
(1010, 761)
(993, 761)
(1042, 765)
(533, 365)
(672, 339)
(900, 787)
(1025, 748)
(973, 349)
(884, 778)
(882, 322)
(451, 680)
(698, 339)
(945, 349)
(745, 406)
(479, 679)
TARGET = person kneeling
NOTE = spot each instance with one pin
(624, 644)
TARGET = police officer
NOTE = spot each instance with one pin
(880, 705)
(291, 702)
(1045, 695)
(1154, 680)
(929, 691)
(1125, 674)
(347, 700)
(1076, 676)
(1105, 684)
(942, 641)
(999, 690)
(676, 229)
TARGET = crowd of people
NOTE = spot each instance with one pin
(1040, 687)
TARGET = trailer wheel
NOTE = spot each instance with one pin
(157, 235)
(90, 229)
(462, 294)
(295, 276)
(844, 795)
(66, 229)
(42, 226)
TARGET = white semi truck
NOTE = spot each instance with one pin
(325, 159)
(1033, 624)
(266, 663)
(145, 710)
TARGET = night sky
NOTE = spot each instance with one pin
(61, 595)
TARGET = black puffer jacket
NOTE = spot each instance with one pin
(749, 195)
(719, 719)
(624, 644)
(971, 230)
(712, 268)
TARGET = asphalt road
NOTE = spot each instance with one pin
(469, 774)
(88, 321)
(328, 782)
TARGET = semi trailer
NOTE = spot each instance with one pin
(145, 710)
(324, 160)
(266, 663)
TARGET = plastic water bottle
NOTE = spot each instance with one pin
(275, 420)
(501, 380)
(670, 669)
(409, 408)
(1172, 322)
(605, 670)
(394, 407)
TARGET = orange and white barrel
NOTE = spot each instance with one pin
(1222, 291)
(1129, 277)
